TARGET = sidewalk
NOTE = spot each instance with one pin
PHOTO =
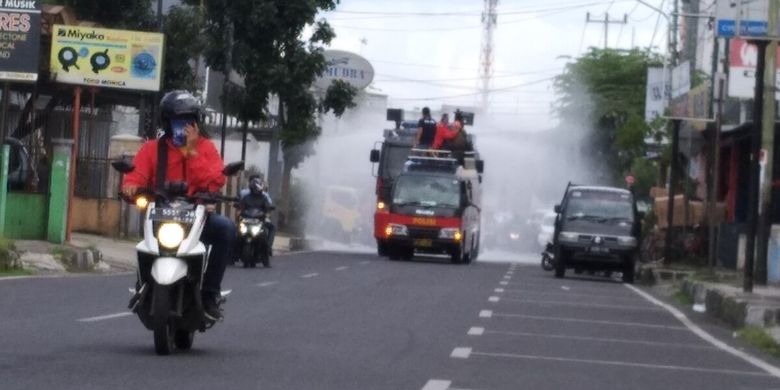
(93, 252)
(720, 296)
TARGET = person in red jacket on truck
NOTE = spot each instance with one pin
(189, 157)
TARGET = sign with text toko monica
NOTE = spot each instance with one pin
(103, 57)
(346, 66)
(20, 39)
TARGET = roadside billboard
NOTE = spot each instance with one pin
(346, 66)
(656, 94)
(20, 38)
(102, 57)
(743, 58)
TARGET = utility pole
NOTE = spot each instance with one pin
(606, 21)
(767, 140)
(755, 150)
(489, 22)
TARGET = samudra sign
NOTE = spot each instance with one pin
(346, 66)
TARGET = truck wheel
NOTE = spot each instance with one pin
(560, 264)
(393, 252)
(628, 272)
(381, 249)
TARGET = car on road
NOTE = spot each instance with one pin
(597, 229)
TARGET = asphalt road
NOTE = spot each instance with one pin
(329, 320)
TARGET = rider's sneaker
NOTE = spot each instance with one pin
(211, 307)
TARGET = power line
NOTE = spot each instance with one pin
(494, 90)
(474, 13)
(536, 14)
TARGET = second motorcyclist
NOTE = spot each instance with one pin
(256, 197)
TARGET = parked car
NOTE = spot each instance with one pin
(597, 229)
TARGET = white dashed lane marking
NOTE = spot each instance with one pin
(266, 284)
(476, 331)
(499, 290)
(494, 299)
(486, 314)
(437, 384)
(311, 275)
(461, 353)
(105, 317)
(342, 268)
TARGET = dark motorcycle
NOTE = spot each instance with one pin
(253, 238)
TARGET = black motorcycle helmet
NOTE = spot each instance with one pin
(178, 105)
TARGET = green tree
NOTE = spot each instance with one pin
(183, 45)
(263, 40)
(121, 14)
(605, 88)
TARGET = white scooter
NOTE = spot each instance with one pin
(172, 262)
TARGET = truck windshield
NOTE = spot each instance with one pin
(393, 159)
(600, 206)
(427, 191)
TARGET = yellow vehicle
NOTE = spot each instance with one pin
(341, 216)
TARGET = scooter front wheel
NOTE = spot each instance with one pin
(163, 332)
(547, 263)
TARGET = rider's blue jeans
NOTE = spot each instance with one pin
(221, 234)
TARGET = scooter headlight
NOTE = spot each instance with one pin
(242, 228)
(170, 235)
(141, 202)
(255, 230)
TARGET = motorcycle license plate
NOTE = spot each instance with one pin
(250, 221)
(598, 250)
(172, 215)
(423, 243)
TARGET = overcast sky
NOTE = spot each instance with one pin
(426, 52)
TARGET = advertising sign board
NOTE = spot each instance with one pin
(106, 58)
(350, 67)
(20, 37)
(742, 18)
(656, 95)
(743, 57)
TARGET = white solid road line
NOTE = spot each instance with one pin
(597, 339)
(342, 268)
(266, 284)
(770, 369)
(461, 353)
(105, 317)
(311, 275)
(437, 384)
(618, 363)
(565, 319)
(578, 304)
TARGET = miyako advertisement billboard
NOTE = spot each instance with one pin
(20, 40)
(101, 57)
